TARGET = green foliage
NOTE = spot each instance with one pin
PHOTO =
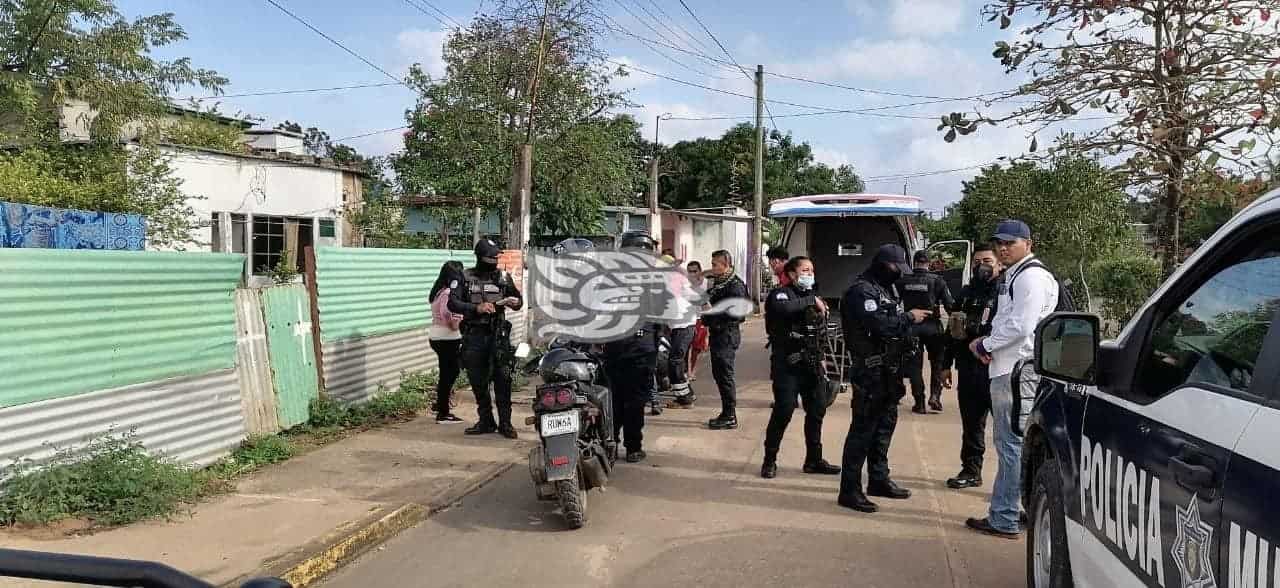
(945, 228)
(106, 178)
(467, 129)
(416, 392)
(720, 172)
(196, 131)
(1075, 210)
(1124, 283)
(111, 481)
(284, 271)
(54, 50)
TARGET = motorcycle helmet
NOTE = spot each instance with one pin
(566, 365)
(572, 244)
(637, 240)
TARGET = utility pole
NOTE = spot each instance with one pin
(757, 220)
(655, 218)
(522, 171)
(475, 227)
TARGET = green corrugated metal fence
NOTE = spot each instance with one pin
(365, 291)
(75, 321)
(293, 363)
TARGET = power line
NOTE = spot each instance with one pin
(651, 46)
(676, 22)
(383, 131)
(298, 91)
(740, 68)
(909, 175)
(885, 92)
(414, 4)
(664, 25)
(335, 42)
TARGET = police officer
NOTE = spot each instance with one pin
(926, 290)
(630, 363)
(876, 329)
(487, 293)
(791, 313)
(726, 335)
(971, 318)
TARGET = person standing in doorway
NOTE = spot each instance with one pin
(1027, 295)
(726, 336)
(446, 338)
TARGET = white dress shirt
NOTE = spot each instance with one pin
(1013, 329)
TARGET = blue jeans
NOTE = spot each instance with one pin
(1006, 493)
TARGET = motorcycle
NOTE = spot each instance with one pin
(573, 414)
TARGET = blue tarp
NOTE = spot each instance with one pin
(24, 225)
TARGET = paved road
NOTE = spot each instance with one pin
(696, 513)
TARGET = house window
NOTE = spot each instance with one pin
(273, 236)
(237, 229)
(327, 228)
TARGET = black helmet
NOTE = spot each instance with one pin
(572, 244)
(487, 248)
(637, 239)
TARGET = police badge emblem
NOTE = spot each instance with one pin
(1191, 550)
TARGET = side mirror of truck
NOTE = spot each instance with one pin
(1067, 347)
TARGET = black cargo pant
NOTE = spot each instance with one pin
(788, 382)
(630, 381)
(875, 416)
(935, 345)
(481, 356)
(973, 390)
(725, 340)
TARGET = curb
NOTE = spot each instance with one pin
(313, 562)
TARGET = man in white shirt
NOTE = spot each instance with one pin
(1032, 297)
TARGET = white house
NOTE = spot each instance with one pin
(267, 204)
(693, 234)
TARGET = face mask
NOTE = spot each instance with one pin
(805, 282)
(985, 272)
(887, 274)
(485, 266)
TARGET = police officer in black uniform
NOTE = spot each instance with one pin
(726, 335)
(923, 289)
(971, 318)
(876, 331)
(485, 296)
(629, 364)
(793, 314)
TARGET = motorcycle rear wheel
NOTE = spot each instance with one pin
(573, 501)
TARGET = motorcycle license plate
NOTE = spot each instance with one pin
(559, 423)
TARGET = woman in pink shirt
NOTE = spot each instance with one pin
(445, 338)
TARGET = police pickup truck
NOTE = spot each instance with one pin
(1152, 460)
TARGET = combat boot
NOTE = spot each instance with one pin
(888, 489)
(769, 469)
(857, 501)
(723, 422)
(814, 464)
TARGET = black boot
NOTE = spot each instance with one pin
(919, 408)
(814, 464)
(770, 467)
(935, 402)
(965, 480)
(857, 501)
(725, 421)
(482, 428)
(888, 489)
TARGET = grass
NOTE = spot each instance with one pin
(113, 480)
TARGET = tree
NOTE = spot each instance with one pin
(1182, 85)
(54, 51)
(1076, 213)
(467, 128)
(720, 172)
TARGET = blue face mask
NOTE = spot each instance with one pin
(805, 282)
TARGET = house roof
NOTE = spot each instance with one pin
(281, 158)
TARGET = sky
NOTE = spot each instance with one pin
(938, 48)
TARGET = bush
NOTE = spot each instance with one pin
(416, 392)
(111, 481)
(1124, 283)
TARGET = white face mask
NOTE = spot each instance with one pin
(805, 282)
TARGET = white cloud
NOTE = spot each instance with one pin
(865, 9)
(423, 46)
(634, 77)
(831, 157)
(676, 129)
(926, 17)
(889, 59)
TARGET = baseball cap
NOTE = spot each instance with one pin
(890, 253)
(487, 249)
(1011, 230)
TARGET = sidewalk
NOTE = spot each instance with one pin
(301, 518)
